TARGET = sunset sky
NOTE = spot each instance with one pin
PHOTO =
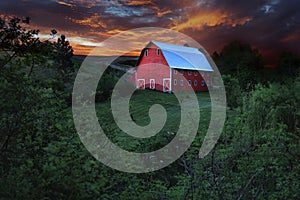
(271, 26)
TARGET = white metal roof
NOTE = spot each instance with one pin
(183, 57)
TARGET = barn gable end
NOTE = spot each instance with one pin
(153, 71)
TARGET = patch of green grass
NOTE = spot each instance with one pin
(141, 102)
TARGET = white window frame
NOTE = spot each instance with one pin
(203, 83)
(175, 71)
(181, 83)
(195, 83)
(189, 82)
(164, 79)
(175, 81)
(182, 72)
(141, 79)
(152, 88)
(158, 51)
(196, 73)
(190, 73)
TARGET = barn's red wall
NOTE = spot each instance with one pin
(153, 66)
(186, 77)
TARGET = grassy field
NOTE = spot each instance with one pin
(140, 102)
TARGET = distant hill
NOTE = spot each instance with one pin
(123, 61)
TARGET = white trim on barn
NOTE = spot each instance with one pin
(181, 82)
(171, 79)
(195, 83)
(165, 80)
(138, 84)
(152, 84)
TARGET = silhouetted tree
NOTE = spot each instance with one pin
(289, 65)
(16, 42)
(63, 53)
(241, 61)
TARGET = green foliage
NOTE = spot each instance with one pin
(265, 152)
(233, 91)
(62, 55)
(288, 66)
(267, 107)
(19, 46)
(30, 111)
(106, 86)
(241, 61)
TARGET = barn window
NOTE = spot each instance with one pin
(195, 73)
(152, 84)
(189, 73)
(146, 52)
(181, 82)
(195, 83)
(190, 82)
(181, 72)
(203, 83)
(158, 52)
(175, 71)
(175, 82)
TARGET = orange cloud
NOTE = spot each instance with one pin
(65, 4)
(81, 49)
(132, 42)
(115, 31)
(93, 21)
(164, 12)
(138, 2)
(215, 18)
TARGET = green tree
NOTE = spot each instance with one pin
(288, 66)
(62, 55)
(266, 151)
(241, 61)
(233, 91)
(18, 45)
(106, 85)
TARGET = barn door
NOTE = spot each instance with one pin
(141, 84)
(166, 85)
(152, 84)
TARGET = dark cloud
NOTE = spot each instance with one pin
(270, 25)
(271, 31)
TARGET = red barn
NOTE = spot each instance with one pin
(168, 67)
